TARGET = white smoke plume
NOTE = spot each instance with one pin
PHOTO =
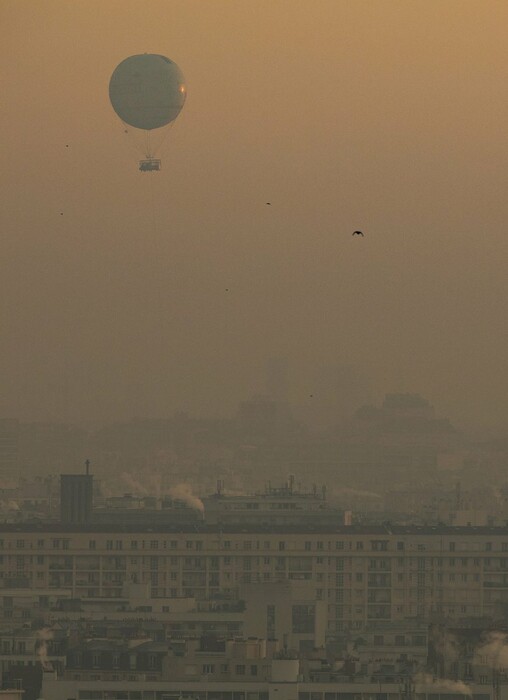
(493, 651)
(183, 492)
(43, 636)
(134, 485)
(148, 483)
(346, 491)
(440, 685)
(445, 644)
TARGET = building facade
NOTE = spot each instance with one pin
(364, 576)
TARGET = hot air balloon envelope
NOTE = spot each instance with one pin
(147, 91)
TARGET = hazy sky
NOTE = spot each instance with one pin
(385, 115)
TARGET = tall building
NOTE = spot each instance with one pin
(76, 498)
(9, 449)
(277, 378)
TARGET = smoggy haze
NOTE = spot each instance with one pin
(387, 116)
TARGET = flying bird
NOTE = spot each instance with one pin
(268, 204)
(358, 233)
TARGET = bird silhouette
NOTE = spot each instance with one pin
(268, 204)
(357, 233)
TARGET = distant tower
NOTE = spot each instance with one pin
(76, 497)
(9, 449)
(277, 378)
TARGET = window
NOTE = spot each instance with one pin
(20, 544)
(339, 545)
(65, 544)
(109, 544)
(40, 560)
(208, 668)
(226, 544)
(270, 621)
(40, 544)
(253, 670)
(91, 544)
(282, 546)
(154, 544)
(189, 544)
(302, 619)
(56, 544)
(118, 544)
(134, 544)
(240, 670)
(319, 546)
(488, 546)
(400, 546)
(308, 546)
(451, 546)
(359, 545)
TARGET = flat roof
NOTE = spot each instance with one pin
(249, 528)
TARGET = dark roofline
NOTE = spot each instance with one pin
(204, 529)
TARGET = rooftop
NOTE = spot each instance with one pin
(249, 528)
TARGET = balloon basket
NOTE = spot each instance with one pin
(148, 165)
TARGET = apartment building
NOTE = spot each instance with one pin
(364, 575)
(280, 689)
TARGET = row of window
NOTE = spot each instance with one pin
(309, 545)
